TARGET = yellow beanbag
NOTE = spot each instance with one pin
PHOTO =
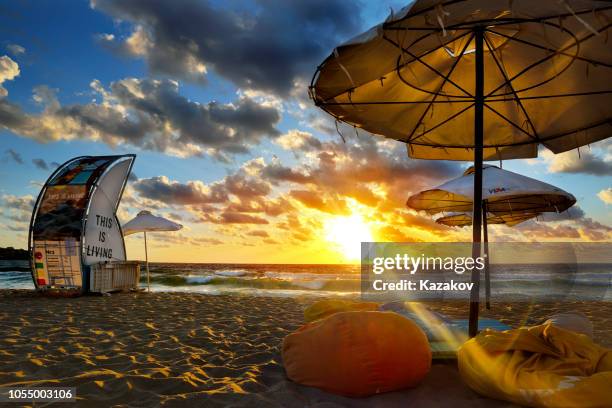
(358, 353)
(540, 366)
(324, 308)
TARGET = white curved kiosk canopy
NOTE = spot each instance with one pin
(74, 222)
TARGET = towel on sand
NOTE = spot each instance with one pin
(539, 366)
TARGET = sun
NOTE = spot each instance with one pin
(347, 234)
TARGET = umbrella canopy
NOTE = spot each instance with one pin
(546, 64)
(508, 198)
(506, 193)
(147, 222)
(420, 78)
(465, 219)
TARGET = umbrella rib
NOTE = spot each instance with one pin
(442, 123)
(388, 26)
(425, 10)
(540, 19)
(551, 96)
(437, 209)
(513, 124)
(419, 59)
(447, 193)
(542, 140)
(523, 98)
(535, 64)
(518, 100)
(607, 120)
(424, 54)
(395, 102)
(542, 47)
(446, 78)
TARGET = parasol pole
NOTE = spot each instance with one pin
(477, 206)
(485, 233)
(147, 263)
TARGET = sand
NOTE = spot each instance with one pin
(176, 349)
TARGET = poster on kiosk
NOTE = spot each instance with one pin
(74, 223)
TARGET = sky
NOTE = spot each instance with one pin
(212, 98)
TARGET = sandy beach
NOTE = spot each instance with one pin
(172, 348)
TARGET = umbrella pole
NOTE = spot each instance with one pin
(147, 263)
(478, 146)
(485, 232)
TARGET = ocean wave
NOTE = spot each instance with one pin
(310, 275)
(295, 280)
(230, 273)
(553, 282)
(256, 282)
(198, 279)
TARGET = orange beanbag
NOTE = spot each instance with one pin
(324, 308)
(358, 353)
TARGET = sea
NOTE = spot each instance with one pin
(592, 282)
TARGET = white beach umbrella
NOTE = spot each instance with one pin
(146, 222)
(505, 193)
(507, 198)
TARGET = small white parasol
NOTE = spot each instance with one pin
(146, 222)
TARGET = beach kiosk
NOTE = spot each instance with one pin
(75, 240)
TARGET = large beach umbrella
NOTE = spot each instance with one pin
(507, 198)
(146, 222)
(477, 80)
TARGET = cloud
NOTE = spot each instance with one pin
(596, 161)
(165, 239)
(594, 230)
(266, 45)
(571, 214)
(40, 164)
(571, 224)
(258, 233)
(368, 175)
(542, 230)
(150, 114)
(245, 187)
(15, 49)
(18, 208)
(21, 203)
(238, 218)
(174, 193)
(367, 168)
(313, 199)
(16, 157)
(298, 140)
(175, 216)
(9, 70)
(605, 195)
(206, 240)
(264, 205)
(237, 198)
(276, 172)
